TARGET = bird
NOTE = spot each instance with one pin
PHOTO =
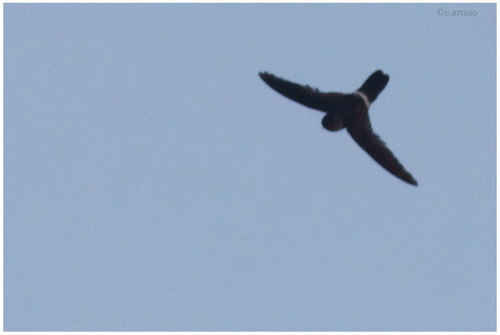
(348, 111)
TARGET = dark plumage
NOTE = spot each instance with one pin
(349, 111)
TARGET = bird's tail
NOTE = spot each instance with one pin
(374, 85)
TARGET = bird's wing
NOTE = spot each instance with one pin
(362, 132)
(302, 94)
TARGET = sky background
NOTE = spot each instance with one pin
(154, 182)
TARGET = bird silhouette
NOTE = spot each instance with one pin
(347, 111)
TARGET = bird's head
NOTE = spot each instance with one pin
(333, 121)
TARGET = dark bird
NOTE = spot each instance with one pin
(349, 111)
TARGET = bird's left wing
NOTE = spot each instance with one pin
(303, 94)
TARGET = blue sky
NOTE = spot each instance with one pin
(154, 182)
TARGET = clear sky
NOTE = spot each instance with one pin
(154, 182)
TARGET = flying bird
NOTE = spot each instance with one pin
(347, 111)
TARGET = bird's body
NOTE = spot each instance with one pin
(347, 111)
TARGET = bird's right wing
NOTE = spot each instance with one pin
(362, 132)
(302, 94)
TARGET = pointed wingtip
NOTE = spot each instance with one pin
(412, 181)
(264, 75)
